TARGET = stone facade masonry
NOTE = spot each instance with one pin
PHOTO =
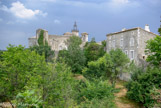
(133, 44)
(131, 41)
(58, 42)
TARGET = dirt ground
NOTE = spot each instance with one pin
(121, 100)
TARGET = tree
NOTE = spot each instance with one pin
(60, 86)
(1, 58)
(120, 63)
(74, 56)
(110, 66)
(18, 67)
(99, 68)
(153, 50)
(93, 51)
(159, 30)
(44, 50)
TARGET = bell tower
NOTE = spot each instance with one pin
(75, 31)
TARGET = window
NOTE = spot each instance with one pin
(121, 42)
(126, 52)
(113, 43)
(131, 41)
(131, 54)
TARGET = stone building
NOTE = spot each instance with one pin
(131, 41)
(58, 42)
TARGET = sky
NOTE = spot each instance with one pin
(19, 19)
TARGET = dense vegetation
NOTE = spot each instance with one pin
(145, 84)
(33, 78)
(74, 56)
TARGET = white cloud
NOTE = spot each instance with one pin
(57, 21)
(20, 11)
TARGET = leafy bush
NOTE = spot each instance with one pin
(98, 68)
(141, 86)
(93, 51)
(153, 50)
(18, 66)
(94, 92)
(74, 56)
(109, 66)
(28, 99)
(44, 50)
(98, 103)
(60, 87)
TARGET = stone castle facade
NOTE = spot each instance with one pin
(58, 42)
(131, 41)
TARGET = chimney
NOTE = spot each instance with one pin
(123, 29)
(147, 28)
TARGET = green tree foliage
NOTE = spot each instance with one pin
(153, 50)
(17, 68)
(1, 58)
(142, 85)
(99, 68)
(61, 87)
(159, 30)
(24, 100)
(120, 63)
(44, 50)
(93, 51)
(41, 38)
(96, 94)
(110, 65)
(74, 56)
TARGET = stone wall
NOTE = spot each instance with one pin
(32, 41)
(143, 37)
(58, 42)
(122, 40)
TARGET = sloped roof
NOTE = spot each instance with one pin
(129, 30)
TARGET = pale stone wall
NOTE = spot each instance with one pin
(122, 40)
(32, 41)
(57, 42)
(144, 36)
(139, 36)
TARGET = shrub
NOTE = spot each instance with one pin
(95, 91)
(141, 86)
(28, 99)
(98, 68)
